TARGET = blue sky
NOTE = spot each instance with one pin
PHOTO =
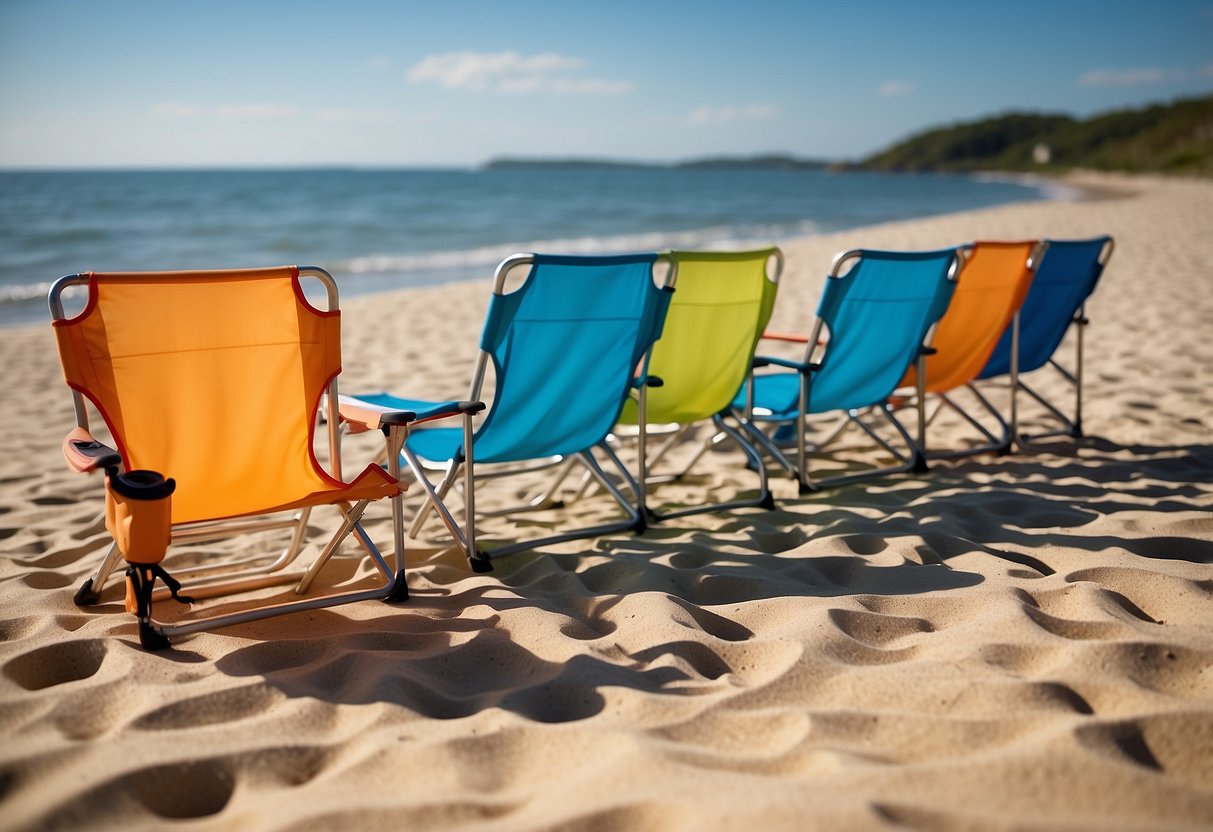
(171, 83)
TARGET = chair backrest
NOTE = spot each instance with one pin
(565, 347)
(212, 378)
(991, 286)
(715, 321)
(1065, 278)
(878, 315)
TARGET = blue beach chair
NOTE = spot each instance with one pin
(567, 348)
(1066, 276)
(876, 318)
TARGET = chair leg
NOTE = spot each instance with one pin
(352, 516)
(89, 592)
(465, 539)
(442, 489)
(478, 563)
(641, 522)
(141, 580)
(762, 442)
(633, 522)
(765, 498)
(388, 590)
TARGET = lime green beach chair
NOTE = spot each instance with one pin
(704, 359)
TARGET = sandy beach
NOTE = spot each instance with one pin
(1017, 642)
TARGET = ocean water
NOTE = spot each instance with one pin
(383, 229)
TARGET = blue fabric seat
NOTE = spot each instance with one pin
(1065, 278)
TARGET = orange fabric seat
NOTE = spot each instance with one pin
(225, 409)
(991, 287)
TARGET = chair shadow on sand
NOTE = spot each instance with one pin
(1076, 482)
(434, 659)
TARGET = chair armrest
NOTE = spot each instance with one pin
(362, 416)
(798, 366)
(84, 454)
(443, 410)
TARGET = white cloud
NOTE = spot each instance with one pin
(723, 115)
(176, 109)
(357, 115)
(1126, 77)
(894, 87)
(256, 111)
(512, 73)
(260, 111)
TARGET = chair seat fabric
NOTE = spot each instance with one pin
(1068, 273)
(723, 301)
(991, 287)
(775, 395)
(373, 483)
(878, 314)
(564, 347)
(182, 364)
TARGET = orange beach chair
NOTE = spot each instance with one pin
(209, 383)
(991, 288)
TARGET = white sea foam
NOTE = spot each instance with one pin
(23, 292)
(721, 237)
(1051, 189)
(715, 237)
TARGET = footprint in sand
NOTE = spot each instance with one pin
(1149, 595)
(877, 629)
(57, 664)
(219, 707)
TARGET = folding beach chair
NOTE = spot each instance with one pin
(566, 348)
(878, 316)
(989, 290)
(705, 354)
(209, 383)
(1066, 276)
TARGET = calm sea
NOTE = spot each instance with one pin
(384, 229)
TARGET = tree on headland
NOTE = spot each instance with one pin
(1168, 138)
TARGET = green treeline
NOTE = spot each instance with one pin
(1171, 138)
(1168, 138)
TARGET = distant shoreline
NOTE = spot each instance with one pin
(762, 162)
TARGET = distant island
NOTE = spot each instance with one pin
(769, 162)
(1165, 138)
